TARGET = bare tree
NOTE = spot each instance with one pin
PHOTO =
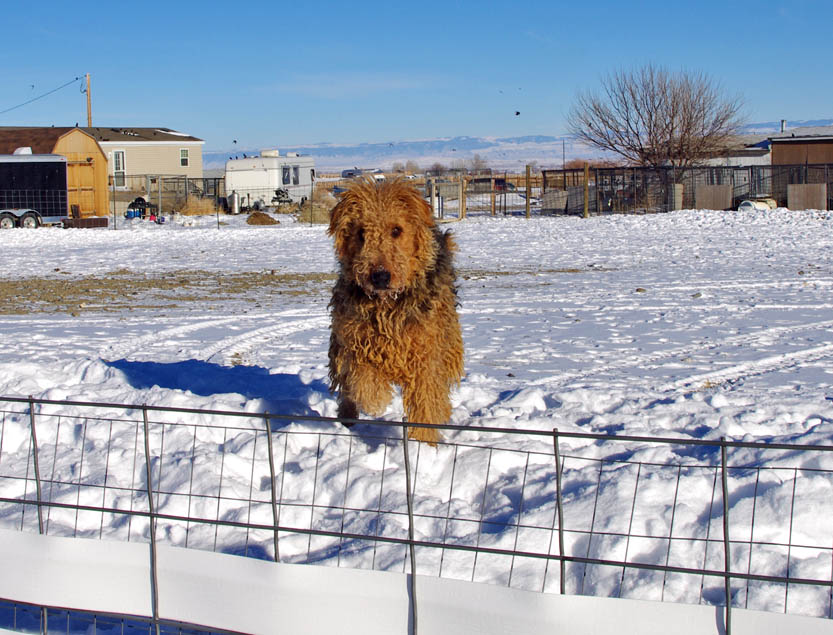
(437, 169)
(653, 117)
(411, 166)
(478, 164)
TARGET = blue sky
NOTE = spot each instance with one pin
(294, 73)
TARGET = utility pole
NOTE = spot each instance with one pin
(89, 105)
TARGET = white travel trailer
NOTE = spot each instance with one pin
(268, 180)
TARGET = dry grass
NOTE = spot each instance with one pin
(317, 210)
(286, 208)
(198, 207)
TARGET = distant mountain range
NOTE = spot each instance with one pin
(498, 152)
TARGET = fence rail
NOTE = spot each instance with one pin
(542, 510)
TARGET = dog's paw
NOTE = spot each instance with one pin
(431, 436)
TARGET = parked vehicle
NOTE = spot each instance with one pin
(33, 190)
(270, 179)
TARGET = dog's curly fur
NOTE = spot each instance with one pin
(393, 310)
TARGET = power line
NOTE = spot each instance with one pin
(41, 96)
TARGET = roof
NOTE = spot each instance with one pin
(744, 142)
(42, 139)
(810, 133)
(139, 134)
(33, 158)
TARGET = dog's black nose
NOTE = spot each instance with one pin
(380, 279)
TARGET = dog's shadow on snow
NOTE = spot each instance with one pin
(281, 393)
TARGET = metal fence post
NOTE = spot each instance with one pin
(461, 212)
(35, 461)
(36, 464)
(726, 555)
(154, 580)
(113, 194)
(272, 484)
(559, 508)
(412, 551)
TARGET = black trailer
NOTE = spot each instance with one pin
(33, 190)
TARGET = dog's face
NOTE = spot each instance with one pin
(383, 236)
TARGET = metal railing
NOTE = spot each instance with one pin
(490, 505)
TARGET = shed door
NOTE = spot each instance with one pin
(81, 186)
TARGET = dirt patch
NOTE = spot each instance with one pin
(126, 290)
(122, 290)
(261, 218)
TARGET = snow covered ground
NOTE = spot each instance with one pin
(694, 324)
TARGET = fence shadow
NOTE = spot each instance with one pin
(282, 393)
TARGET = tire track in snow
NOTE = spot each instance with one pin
(138, 343)
(123, 349)
(656, 357)
(756, 367)
(241, 343)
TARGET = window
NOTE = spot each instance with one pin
(296, 175)
(183, 157)
(118, 168)
(285, 175)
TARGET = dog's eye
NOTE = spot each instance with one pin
(396, 232)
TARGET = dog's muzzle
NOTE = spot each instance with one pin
(380, 279)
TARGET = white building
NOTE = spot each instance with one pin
(257, 181)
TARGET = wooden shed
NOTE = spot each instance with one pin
(811, 146)
(87, 179)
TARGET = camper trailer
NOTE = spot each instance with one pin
(270, 179)
(33, 189)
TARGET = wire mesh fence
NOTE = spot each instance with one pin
(536, 510)
(165, 194)
(28, 618)
(651, 190)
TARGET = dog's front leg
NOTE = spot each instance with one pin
(426, 400)
(347, 409)
(365, 389)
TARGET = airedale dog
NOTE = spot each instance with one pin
(393, 310)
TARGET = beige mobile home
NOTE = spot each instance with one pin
(158, 151)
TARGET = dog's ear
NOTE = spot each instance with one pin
(336, 217)
(418, 206)
(340, 224)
